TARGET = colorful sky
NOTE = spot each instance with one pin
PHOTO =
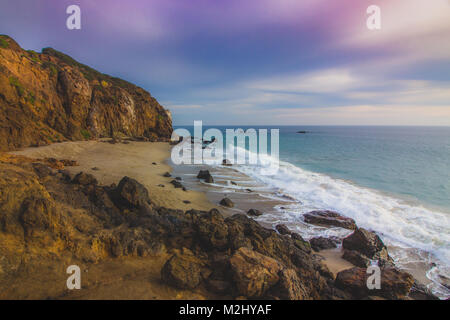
(253, 62)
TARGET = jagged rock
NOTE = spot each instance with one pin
(182, 271)
(254, 212)
(212, 229)
(289, 287)
(167, 175)
(226, 203)
(131, 193)
(328, 218)
(395, 284)
(321, 243)
(357, 258)
(368, 244)
(254, 273)
(301, 243)
(282, 229)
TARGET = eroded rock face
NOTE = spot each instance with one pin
(49, 97)
(363, 245)
(182, 271)
(253, 272)
(328, 218)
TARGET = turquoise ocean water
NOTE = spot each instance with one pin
(393, 180)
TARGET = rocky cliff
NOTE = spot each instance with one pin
(49, 97)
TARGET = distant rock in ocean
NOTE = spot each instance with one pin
(302, 131)
(49, 97)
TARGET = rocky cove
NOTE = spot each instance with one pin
(53, 217)
(107, 205)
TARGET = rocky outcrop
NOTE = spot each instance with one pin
(49, 97)
(321, 243)
(47, 216)
(362, 246)
(253, 272)
(226, 202)
(395, 284)
(328, 218)
(182, 271)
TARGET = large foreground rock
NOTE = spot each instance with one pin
(132, 193)
(395, 284)
(254, 273)
(182, 271)
(328, 218)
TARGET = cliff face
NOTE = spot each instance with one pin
(49, 97)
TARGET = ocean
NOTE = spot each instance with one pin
(392, 180)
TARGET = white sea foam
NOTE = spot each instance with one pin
(399, 223)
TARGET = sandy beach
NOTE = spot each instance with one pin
(144, 161)
(111, 162)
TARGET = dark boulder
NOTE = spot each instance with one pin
(254, 273)
(368, 244)
(395, 284)
(254, 212)
(289, 287)
(205, 175)
(131, 193)
(176, 184)
(182, 271)
(226, 203)
(282, 229)
(329, 218)
(356, 258)
(321, 243)
(84, 179)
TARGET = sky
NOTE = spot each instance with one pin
(259, 62)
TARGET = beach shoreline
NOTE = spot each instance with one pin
(148, 162)
(110, 162)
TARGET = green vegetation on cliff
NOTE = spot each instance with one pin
(49, 94)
